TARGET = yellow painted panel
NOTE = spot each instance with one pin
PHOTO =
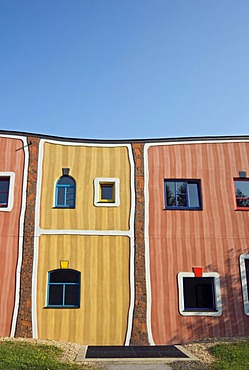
(104, 298)
(85, 163)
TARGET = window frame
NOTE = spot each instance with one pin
(187, 181)
(217, 295)
(101, 202)
(48, 305)
(64, 186)
(240, 179)
(244, 282)
(11, 176)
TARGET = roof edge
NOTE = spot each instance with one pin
(126, 141)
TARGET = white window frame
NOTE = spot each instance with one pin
(217, 312)
(244, 282)
(11, 175)
(106, 180)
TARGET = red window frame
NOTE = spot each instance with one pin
(240, 179)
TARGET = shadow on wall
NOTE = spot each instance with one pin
(233, 321)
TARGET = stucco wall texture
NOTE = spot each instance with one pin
(212, 238)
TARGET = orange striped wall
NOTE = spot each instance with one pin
(11, 160)
(212, 238)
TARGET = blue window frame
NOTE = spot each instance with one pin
(63, 288)
(182, 194)
(65, 192)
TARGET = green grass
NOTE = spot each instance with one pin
(232, 356)
(26, 356)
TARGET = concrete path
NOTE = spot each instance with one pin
(133, 366)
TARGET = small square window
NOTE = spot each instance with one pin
(242, 193)
(199, 296)
(106, 192)
(182, 194)
(6, 190)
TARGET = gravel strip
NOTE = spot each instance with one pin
(201, 350)
(70, 350)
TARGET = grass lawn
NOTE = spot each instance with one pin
(232, 356)
(26, 356)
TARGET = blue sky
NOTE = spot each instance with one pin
(125, 68)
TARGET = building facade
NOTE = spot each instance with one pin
(125, 242)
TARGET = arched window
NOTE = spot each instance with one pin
(63, 288)
(65, 192)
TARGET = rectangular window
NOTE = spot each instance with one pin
(244, 270)
(242, 193)
(63, 288)
(6, 190)
(106, 192)
(182, 194)
(199, 296)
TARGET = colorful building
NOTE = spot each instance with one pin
(124, 242)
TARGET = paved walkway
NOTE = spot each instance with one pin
(137, 367)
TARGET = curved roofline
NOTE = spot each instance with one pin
(123, 141)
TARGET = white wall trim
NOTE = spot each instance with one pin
(146, 212)
(217, 294)
(113, 180)
(244, 282)
(21, 229)
(38, 231)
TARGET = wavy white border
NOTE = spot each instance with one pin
(20, 232)
(39, 231)
(146, 213)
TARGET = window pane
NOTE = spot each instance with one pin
(66, 180)
(4, 191)
(55, 295)
(198, 293)
(60, 196)
(242, 189)
(181, 194)
(70, 195)
(3, 199)
(64, 276)
(72, 295)
(106, 192)
(193, 195)
(170, 194)
(4, 185)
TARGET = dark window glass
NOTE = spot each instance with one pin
(4, 191)
(182, 194)
(242, 193)
(55, 295)
(247, 274)
(65, 192)
(199, 293)
(106, 191)
(64, 288)
(71, 295)
(64, 275)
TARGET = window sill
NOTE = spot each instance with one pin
(61, 307)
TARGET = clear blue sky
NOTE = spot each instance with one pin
(125, 68)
